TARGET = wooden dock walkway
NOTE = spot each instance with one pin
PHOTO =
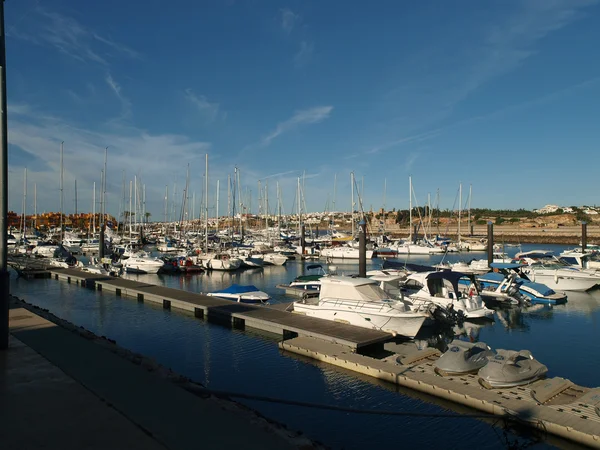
(554, 405)
(276, 320)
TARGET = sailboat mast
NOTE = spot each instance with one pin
(104, 187)
(166, 204)
(352, 201)
(410, 230)
(94, 210)
(206, 202)
(470, 191)
(61, 190)
(334, 190)
(217, 213)
(75, 197)
(24, 226)
(130, 210)
(459, 208)
(35, 205)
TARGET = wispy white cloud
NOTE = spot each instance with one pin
(304, 53)
(289, 19)
(116, 89)
(410, 160)
(303, 117)
(70, 37)
(158, 158)
(210, 111)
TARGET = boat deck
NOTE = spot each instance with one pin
(554, 405)
(274, 319)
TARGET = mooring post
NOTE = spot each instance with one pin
(4, 275)
(490, 243)
(471, 230)
(362, 248)
(415, 231)
(302, 239)
(583, 236)
(101, 243)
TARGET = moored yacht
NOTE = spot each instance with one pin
(442, 289)
(361, 302)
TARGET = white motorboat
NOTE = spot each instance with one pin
(584, 260)
(142, 264)
(558, 276)
(442, 289)
(274, 259)
(219, 261)
(242, 294)
(361, 302)
(406, 248)
(344, 252)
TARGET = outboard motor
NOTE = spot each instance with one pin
(463, 357)
(509, 368)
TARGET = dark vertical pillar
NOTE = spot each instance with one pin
(101, 244)
(415, 231)
(362, 248)
(583, 236)
(303, 239)
(4, 276)
(490, 243)
(471, 230)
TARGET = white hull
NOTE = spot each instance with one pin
(222, 264)
(344, 253)
(563, 282)
(250, 297)
(141, 265)
(415, 249)
(274, 259)
(376, 316)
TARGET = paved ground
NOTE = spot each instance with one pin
(60, 390)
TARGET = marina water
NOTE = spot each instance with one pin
(563, 337)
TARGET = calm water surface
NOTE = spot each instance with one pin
(562, 337)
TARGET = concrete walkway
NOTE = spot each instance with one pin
(60, 390)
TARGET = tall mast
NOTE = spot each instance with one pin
(299, 212)
(61, 190)
(24, 205)
(218, 213)
(278, 212)
(104, 188)
(75, 198)
(470, 187)
(334, 190)
(229, 223)
(135, 201)
(459, 208)
(130, 212)
(94, 210)
(410, 230)
(352, 201)
(206, 201)
(35, 205)
(166, 203)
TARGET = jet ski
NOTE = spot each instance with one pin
(510, 368)
(463, 357)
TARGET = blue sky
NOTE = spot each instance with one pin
(501, 95)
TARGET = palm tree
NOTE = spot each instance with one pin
(147, 214)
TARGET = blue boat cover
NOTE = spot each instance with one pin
(505, 265)
(237, 289)
(412, 267)
(539, 287)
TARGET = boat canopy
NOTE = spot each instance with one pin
(237, 289)
(347, 288)
(314, 266)
(411, 267)
(506, 266)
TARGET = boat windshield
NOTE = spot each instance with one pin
(371, 292)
